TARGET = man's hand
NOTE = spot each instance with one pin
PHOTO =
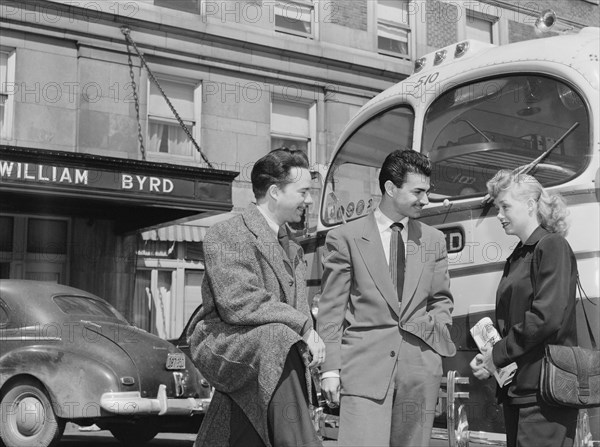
(316, 348)
(330, 389)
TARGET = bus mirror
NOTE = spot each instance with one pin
(545, 21)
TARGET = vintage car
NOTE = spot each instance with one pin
(67, 355)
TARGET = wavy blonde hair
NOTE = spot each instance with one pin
(552, 210)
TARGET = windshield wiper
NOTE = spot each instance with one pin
(530, 166)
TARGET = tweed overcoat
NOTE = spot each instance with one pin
(253, 312)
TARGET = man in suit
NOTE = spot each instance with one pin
(385, 313)
(254, 339)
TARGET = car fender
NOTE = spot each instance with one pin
(74, 382)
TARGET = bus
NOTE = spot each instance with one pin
(474, 108)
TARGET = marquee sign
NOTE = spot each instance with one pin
(135, 191)
(91, 178)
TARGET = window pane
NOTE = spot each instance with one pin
(181, 96)
(192, 292)
(46, 236)
(142, 300)
(504, 123)
(4, 270)
(290, 118)
(3, 71)
(293, 17)
(392, 39)
(393, 11)
(479, 29)
(352, 187)
(6, 233)
(161, 300)
(169, 138)
(79, 305)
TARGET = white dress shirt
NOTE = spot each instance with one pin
(270, 221)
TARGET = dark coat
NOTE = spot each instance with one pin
(535, 307)
(253, 312)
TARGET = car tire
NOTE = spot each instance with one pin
(27, 418)
(134, 434)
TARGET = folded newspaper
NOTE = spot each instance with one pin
(485, 335)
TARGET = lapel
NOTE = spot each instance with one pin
(268, 246)
(371, 249)
(414, 264)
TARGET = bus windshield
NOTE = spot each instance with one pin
(472, 131)
(351, 187)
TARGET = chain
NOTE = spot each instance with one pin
(137, 103)
(126, 32)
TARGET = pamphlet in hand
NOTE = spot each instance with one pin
(485, 335)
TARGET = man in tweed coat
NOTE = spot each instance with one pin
(254, 339)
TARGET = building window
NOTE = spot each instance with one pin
(165, 134)
(393, 28)
(293, 125)
(480, 28)
(295, 17)
(192, 6)
(7, 79)
(34, 248)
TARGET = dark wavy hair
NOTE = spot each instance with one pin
(274, 169)
(399, 163)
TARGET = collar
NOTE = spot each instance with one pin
(272, 225)
(384, 222)
(535, 237)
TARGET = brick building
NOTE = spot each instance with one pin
(84, 203)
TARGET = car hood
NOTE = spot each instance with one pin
(150, 355)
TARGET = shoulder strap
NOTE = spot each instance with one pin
(587, 321)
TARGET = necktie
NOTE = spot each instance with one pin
(284, 240)
(397, 261)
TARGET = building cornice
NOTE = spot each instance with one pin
(203, 41)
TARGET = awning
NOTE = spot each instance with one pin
(176, 233)
(136, 194)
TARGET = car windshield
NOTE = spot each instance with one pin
(472, 131)
(352, 185)
(86, 306)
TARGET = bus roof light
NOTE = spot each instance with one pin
(545, 21)
(461, 48)
(439, 57)
(419, 64)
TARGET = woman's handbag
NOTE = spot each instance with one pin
(571, 375)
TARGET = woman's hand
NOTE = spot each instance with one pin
(477, 368)
(482, 365)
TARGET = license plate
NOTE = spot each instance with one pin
(176, 361)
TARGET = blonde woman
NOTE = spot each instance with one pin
(535, 306)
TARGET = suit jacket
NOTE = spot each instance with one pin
(360, 318)
(253, 312)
